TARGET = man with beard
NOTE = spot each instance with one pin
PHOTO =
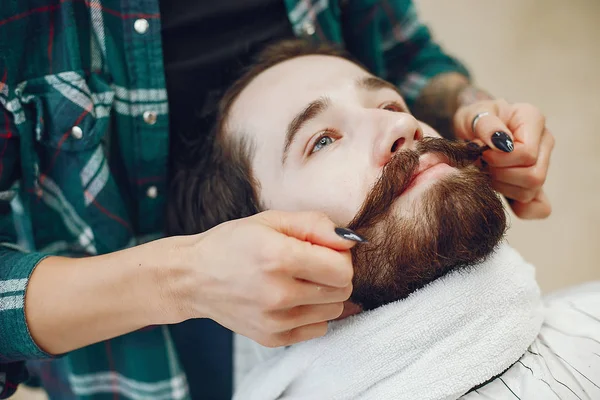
(441, 306)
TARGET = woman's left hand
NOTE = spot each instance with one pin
(519, 154)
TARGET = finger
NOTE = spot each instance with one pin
(481, 122)
(515, 192)
(312, 227)
(308, 293)
(303, 333)
(319, 265)
(538, 208)
(528, 177)
(306, 315)
(528, 125)
(350, 308)
(521, 156)
(493, 132)
(463, 119)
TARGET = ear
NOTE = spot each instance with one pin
(213, 192)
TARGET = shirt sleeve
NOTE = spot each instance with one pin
(16, 344)
(389, 37)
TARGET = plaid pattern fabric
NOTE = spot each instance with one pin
(84, 150)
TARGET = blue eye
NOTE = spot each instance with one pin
(323, 141)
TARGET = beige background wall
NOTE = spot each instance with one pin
(546, 52)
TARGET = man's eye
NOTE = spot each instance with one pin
(323, 141)
(392, 106)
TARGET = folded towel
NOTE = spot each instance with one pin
(444, 339)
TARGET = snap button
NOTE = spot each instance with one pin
(308, 28)
(76, 132)
(141, 26)
(149, 117)
(152, 192)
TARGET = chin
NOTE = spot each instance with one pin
(441, 224)
(422, 188)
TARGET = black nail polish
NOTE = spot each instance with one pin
(350, 235)
(473, 146)
(502, 141)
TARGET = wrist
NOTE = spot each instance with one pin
(176, 280)
(470, 94)
(440, 100)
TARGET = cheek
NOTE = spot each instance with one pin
(336, 190)
(428, 130)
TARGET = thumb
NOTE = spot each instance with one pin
(538, 208)
(312, 227)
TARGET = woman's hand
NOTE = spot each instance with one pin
(520, 149)
(274, 277)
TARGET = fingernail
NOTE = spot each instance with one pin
(502, 141)
(350, 235)
(473, 146)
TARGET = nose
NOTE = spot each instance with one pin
(399, 131)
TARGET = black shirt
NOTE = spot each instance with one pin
(206, 43)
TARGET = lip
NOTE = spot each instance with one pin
(430, 166)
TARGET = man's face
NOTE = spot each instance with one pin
(328, 136)
(344, 125)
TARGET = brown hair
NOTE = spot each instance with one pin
(218, 186)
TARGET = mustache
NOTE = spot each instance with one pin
(399, 172)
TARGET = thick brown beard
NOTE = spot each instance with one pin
(458, 222)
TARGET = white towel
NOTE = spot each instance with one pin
(455, 333)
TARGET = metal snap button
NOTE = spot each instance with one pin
(152, 192)
(141, 26)
(76, 132)
(150, 117)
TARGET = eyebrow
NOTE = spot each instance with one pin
(373, 83)
(312, 111)
(319, 106)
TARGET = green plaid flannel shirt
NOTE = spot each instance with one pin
(76, 73)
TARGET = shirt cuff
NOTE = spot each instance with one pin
(16, 343)
(11, 375)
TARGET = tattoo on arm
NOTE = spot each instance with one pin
(440, 99)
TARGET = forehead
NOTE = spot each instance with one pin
(272, 99)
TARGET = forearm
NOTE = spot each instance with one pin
(442, 97)
(72, 303)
